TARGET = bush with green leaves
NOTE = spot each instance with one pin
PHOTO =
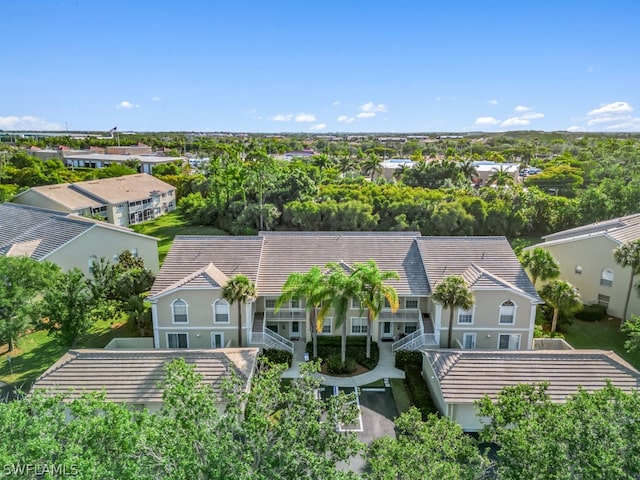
(278, 356)
(418, 391)
(408, 357)
(592, 313)
(336, 367)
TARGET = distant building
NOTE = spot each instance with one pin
(121, 201)
(101, 160)
(299, 154)
(390, 166)
(486, 169)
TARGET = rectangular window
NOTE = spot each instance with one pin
(355, 303)
(326, 325)
(358, 326)
(508, 342)
(465, 316)
(177, 340)
(295, 327)
(269, 303)
(295, 303)
(606, 283)
(604, 300)
(221, 312)
(411, 303)
(409, 328)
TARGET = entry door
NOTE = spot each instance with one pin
(217, 340)
(387, 331)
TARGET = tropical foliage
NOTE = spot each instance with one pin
(452, 293)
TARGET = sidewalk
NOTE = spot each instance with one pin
(384, 369)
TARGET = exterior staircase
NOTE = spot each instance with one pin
(261, 336)
(423, 337)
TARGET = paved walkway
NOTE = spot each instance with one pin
(384, 369)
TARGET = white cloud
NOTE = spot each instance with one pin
(574, 128)
(531, 116)
(615, 108)
(336, 103)
(346, 119)
(366, 114)
(319, 126)
(305, 117)
(484, 121)
(521, 108)
(607, 119)
(283, 117)
(156, 99)
(632, 125)
(370, 107)
(515, 122)
(493, 101)
(27, 122)
(127, 105)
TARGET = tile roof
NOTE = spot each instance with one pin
(122, 189)
(491, 259)
(467, 375)
(37, 232)
(622, 229)
(269, 258)
(65, 196)
(133, 375)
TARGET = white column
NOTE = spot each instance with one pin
(438, 323)
(154, 320)
(532, 322)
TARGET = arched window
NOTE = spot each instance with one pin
(606, 278)
(179, 310)
(220, 311)
(91, 263)
(507, 313)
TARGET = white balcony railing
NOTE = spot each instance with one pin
(286, 314)
(401, 315)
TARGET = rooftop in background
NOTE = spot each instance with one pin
(621, 229)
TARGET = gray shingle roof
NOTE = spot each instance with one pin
(133, 376)
(621, 229)
(467, 375)
(492, 259)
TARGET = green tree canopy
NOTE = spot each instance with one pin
(562, 296)
(239, 289)
(628, 255)
(540, 264)
(452, 293)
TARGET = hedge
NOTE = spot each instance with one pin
(356, 349)
(278, 356)
(592, 313)
(418, 391)
(408, 357)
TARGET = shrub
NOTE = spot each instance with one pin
(592, 313)
(336, 367)
(418, 391)
(356, 349)
(408, 357)
(278, 356)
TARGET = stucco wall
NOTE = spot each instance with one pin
(593, 255)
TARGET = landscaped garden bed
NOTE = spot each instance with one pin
(329, 351)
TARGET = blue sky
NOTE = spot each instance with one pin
(322, 66)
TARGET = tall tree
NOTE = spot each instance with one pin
(239, 289)
(628, 255)
(501, 177)
(374, 292)
(540, 264)
(311, 287)
(371, 166)
(452, 293)
(66, 307)
(342, 287)
(562, 296)
(22, 282)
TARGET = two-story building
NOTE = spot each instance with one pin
(189, 311)
(122, 201)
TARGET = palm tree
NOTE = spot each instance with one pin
(500, 177)
(468, 169)
(371, 166)
(628, 255)
(342, 288)
(452, 292)
(374, 292)
(311, 286)
(562, 296)
(239, 289)
(540, 264)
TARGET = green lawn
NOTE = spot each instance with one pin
(400, 395)
(166, 227)
(37, 351)
(603, 335)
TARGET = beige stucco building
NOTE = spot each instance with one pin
(68, 240)
(122, 201)
(189, 312)
(585, 256)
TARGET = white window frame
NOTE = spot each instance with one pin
(360, 323)
(221, 302)
(178, 333)
(326, 322)
(297, 325)
(213, 343)
(356, 304)
(604, 300)
(266, 305)
(472, 336)
(513, 314)
(91, 263)
(411, 299)
(471, 312)
(510, 335)
(409, 328)
(173, 311)
(606, 277)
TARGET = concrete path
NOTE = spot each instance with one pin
(384, 369)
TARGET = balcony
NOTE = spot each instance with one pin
(286, 315)
(401, 315)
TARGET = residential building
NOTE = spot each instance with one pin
(100, 160)
(585, 256)
(69, 240)
(459, 378)
(189, 312)
(122, 201)
(134, 376)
